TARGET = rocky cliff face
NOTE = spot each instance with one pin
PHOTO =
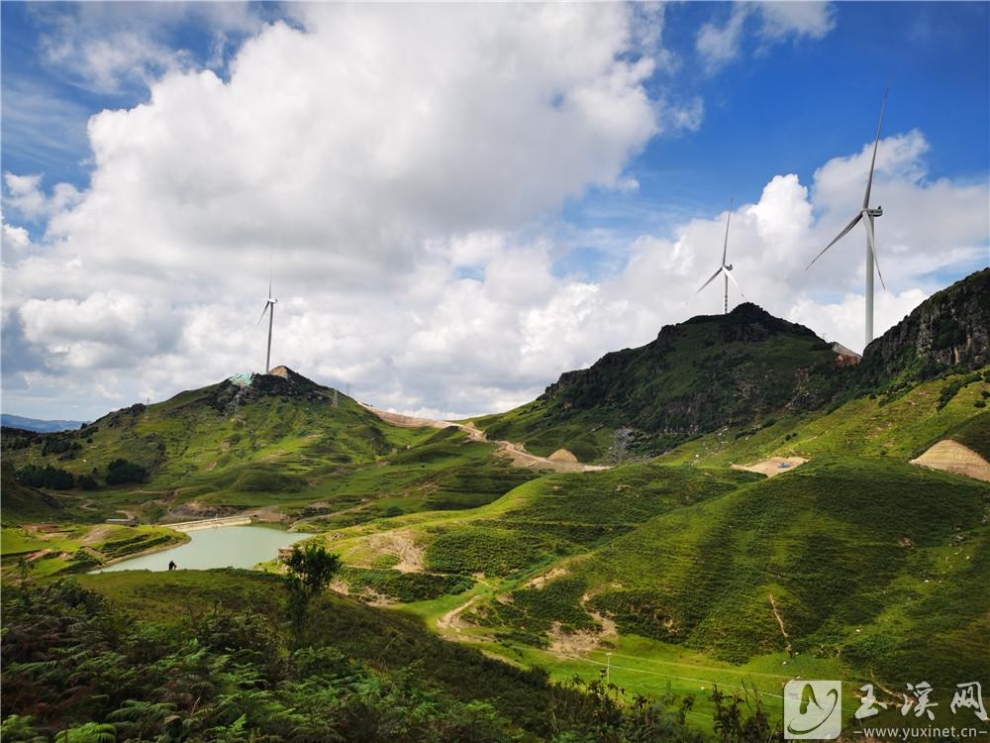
(950, 331)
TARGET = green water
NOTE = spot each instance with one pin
(217, 547)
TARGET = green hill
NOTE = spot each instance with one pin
(736, 370)
(745, 371)
(851, 549)
(276, 440)
(113, 659)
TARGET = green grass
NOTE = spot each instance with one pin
(864, 558)
(15, 541)
(404, 587)
(830, 541)
(974, 433)
(869, 426)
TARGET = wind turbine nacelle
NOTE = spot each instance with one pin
(878, 212)
(728, 268)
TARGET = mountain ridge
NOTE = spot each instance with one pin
(743, 369)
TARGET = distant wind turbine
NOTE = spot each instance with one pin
(726, 268)
(867, 215)
(270, 309)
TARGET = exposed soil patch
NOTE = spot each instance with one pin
(951, 456)
(541, 580)
(584, 640)
(773, 466)
(98, 534)
(402, 545)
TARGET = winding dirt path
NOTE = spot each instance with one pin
(516, 453)
(780, 623)
(451, 622)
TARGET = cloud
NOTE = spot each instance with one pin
(100, 49)
(110, 330)
(15, 238)
(396, 148)
(402, 172)
(23, 197)
(783, 19)
(719, 45)
(382, 126)
(775, 22)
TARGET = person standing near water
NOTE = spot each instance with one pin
(171, 565)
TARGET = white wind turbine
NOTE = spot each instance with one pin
(270, 309)
(725, 268)
(867, 215)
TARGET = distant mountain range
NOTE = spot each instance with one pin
(40, 426)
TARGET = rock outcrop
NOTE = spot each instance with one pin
(950, 331)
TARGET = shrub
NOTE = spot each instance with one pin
(45, 477)
(120, 471)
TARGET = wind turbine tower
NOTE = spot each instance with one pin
(725, 268)
(867, 215)
(270, 309)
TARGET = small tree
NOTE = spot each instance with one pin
(310, 569)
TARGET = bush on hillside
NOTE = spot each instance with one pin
(45, 477)
(120, 472)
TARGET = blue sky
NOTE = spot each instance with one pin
(459, 202)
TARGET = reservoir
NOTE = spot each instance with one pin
(219, 547)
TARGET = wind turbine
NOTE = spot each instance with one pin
(867, 215)
(726, 268)
(270, 309)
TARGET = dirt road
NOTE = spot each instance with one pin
(516, 453)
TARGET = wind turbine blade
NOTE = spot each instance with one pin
(725, 245)
(267, 305)
(736, 283)
(845, 231)
(714, 276)
(873, 250)
(873, 162)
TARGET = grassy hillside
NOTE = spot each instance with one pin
(839, 544)
(863, 557)
(279, 442)
(43, 550)
(229, 666)
(901, 426)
